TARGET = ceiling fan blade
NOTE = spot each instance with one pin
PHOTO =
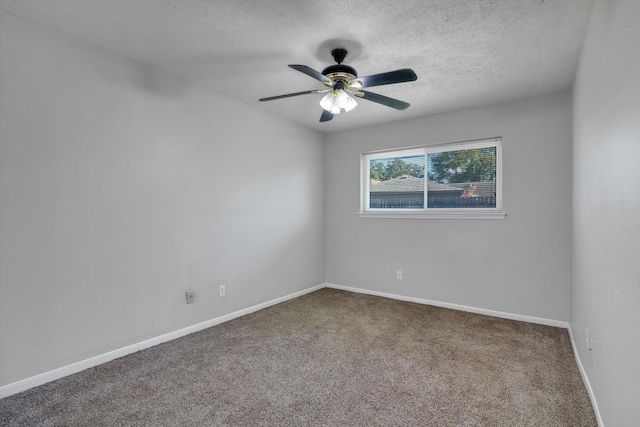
(311, 72)
(398, 76)
(326, 116)
(271, 98)
(381, 99)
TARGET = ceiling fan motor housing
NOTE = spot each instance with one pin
(333, 71)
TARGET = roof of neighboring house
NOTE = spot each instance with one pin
(409, 183)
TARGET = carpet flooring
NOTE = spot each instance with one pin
(329, 358)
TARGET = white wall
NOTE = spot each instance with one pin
(122, 187)
(605, 289)
(518, 265)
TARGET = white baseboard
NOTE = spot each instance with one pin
(501, 314)
(37, 380)
(585, 380)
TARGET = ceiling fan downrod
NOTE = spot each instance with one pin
(339, 54)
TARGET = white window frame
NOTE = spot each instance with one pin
(426, 212)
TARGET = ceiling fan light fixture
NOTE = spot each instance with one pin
(345, 101)
(328, 103)
(338, 101)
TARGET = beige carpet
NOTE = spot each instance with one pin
(330, 358)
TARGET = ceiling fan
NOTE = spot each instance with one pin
(343, 84)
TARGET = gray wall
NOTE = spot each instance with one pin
(517, 265)
(605, 288)
(121, 187)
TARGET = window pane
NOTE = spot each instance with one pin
(397, 182)
(462, 179)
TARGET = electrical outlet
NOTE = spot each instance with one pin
(189, 297)
(222, 291)
(399, 274)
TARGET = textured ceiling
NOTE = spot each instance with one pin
(465, 52)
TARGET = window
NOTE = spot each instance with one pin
(459, 180)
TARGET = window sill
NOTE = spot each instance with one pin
(395, 214)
